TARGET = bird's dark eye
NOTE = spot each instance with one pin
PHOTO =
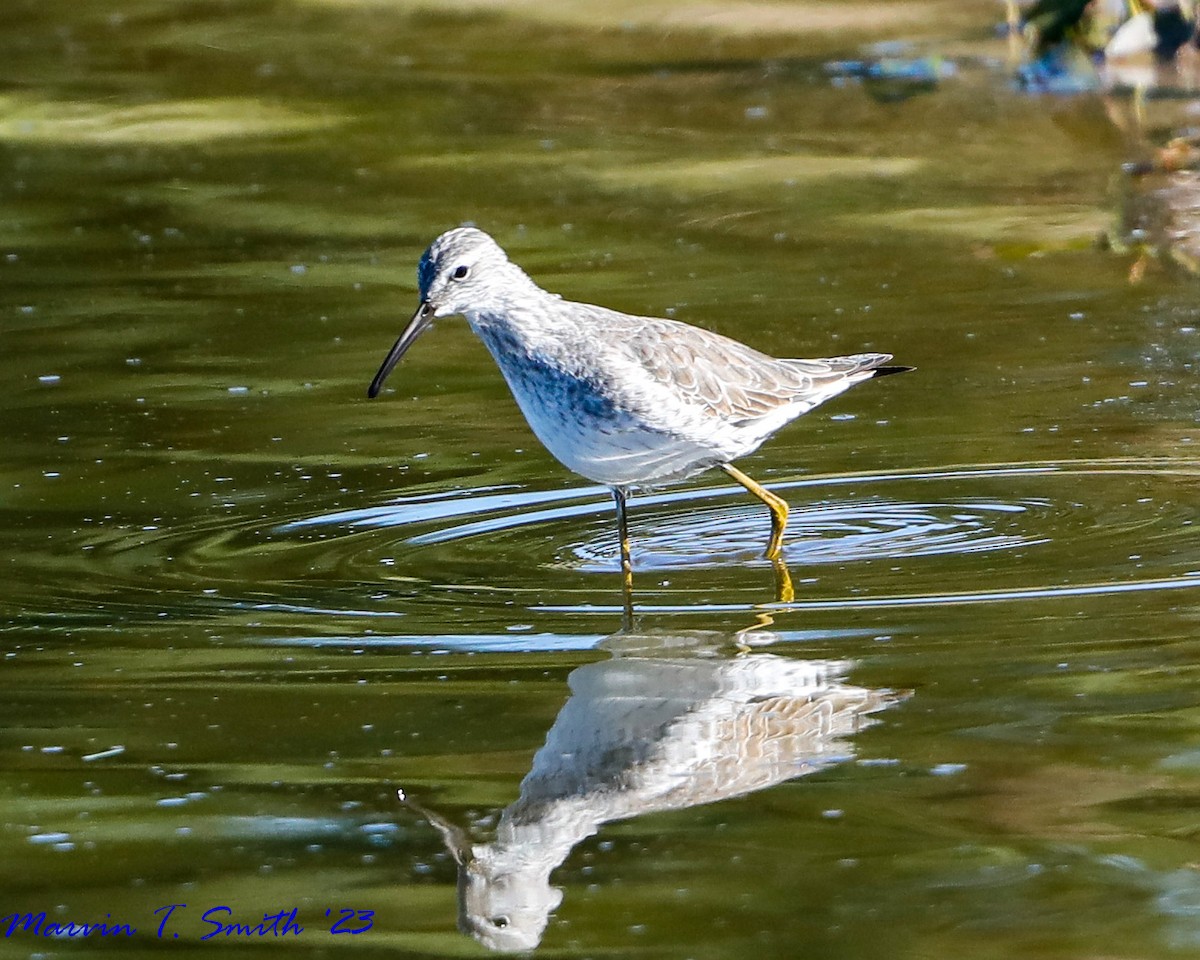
(460, 273)
(500, 922)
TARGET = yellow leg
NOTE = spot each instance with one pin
(778, 508)
(784, 591)
(761, 622)
(623, 534)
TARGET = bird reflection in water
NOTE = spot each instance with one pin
(669, 722)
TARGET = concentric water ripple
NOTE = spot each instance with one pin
(839, 531)
(975, 533)
(1101, 526)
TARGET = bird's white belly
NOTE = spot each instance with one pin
(626, 458)
(614, 451)
(590, 435)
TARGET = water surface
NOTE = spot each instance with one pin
(242, 605)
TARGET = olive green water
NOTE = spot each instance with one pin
(241, 605)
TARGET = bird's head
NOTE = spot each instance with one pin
(463, 270)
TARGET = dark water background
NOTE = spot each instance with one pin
(241, 605)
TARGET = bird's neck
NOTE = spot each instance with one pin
(523, 319)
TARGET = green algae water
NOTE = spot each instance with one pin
(241, 606)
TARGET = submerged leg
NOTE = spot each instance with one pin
(784, 591)
(778, 508)
(623, 534)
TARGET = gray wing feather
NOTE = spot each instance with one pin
(734, 382)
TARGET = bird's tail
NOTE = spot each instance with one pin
(888, 371)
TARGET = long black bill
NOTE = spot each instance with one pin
(420, 320)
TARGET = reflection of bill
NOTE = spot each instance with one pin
(642, 733)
